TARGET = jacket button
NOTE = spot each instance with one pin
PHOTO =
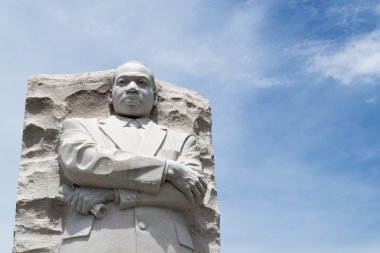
(142, 225)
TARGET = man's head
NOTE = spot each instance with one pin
(133, 90)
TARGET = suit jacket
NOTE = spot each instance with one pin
(147, 215)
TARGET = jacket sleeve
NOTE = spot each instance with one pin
(86, 163)
(169, 196)
(190, 156)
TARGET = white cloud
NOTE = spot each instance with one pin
(377, 9)
(230, 51)
(373, 100)
(348, 14)
(300, 207)
(358, 61)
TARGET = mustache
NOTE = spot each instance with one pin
(129, 95)
(132, 93)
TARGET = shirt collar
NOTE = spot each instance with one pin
(125, 120)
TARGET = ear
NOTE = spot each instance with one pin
(155, 91)
(110, 97)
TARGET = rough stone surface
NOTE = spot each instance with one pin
(51, 99)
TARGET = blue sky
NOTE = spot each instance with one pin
(294, 89)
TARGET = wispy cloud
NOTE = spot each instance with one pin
(377, 9)
(231, 50)
(300, 207)
(350, 13)
(373, 100)
(357, 61)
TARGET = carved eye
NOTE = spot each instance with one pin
(122, 81)
(141, 82)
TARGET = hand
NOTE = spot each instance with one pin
(83, 198)
(187, 180)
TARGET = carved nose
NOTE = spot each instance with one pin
(132, 86)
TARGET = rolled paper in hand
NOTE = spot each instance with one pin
(98, 210)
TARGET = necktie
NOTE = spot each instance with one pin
(134, 123)
(133, 135)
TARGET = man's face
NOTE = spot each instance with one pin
(132, 93)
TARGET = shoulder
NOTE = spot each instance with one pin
(175, 131)
(178, 135)
(79, 123)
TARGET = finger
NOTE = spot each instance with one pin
(189, 195)
(201, 189)
(71, 196)
(197, 194)
(74, 201)
(203, 182)
(80, 204)
(87, 205)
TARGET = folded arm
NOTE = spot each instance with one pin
(86, 163)
(168, 197)
(184, 188)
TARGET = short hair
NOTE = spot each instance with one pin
(150, 73)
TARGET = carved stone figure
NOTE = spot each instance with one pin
(142, 174)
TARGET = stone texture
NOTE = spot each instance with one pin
(51, 99)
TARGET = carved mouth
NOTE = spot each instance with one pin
(131, 99)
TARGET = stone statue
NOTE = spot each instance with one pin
(131, 178)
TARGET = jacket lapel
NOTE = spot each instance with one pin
(114, 130)
(153, 138)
